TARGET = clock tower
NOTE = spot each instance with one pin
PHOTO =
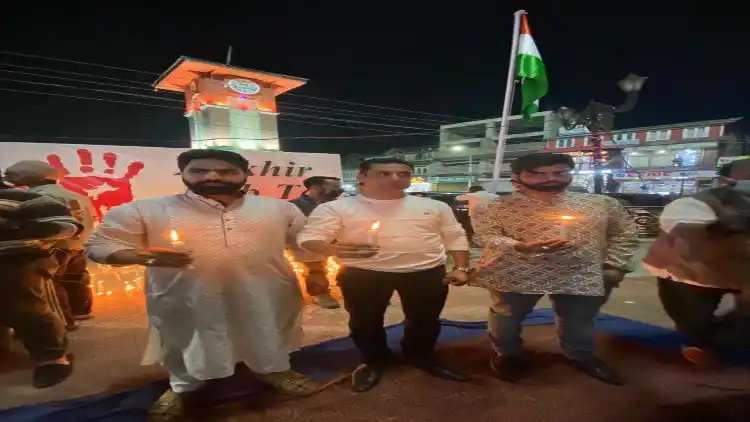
(228, 106)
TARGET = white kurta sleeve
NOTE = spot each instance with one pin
(323, 224)
(297, 222)
(121, 229)
(454, 235)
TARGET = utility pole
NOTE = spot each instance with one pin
(229, 55)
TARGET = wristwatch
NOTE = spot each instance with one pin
(462, 269)
(146, 260)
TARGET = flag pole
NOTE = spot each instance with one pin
(510, 85)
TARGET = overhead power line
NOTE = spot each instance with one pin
(385, 133)
(33, 56)
(62, 78)
(286, 105)
(179, 101)
(375, 106)
(88, 75)
(289, 94)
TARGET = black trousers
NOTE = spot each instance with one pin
(73, 284)
(27, 305)
(692, 309)
(366, 296)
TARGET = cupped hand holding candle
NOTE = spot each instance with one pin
(175, 257)
(565, 222)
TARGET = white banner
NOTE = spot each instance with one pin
(114, 175)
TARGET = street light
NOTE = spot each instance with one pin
(459, 148)
(598, 117)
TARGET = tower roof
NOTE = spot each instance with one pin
(179, 76)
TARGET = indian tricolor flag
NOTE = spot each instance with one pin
(530, 70)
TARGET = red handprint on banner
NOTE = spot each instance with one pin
(105, 190)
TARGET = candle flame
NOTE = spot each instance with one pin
(375, 226)
(174, 236)
(567, 217)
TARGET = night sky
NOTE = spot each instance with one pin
(451, 65)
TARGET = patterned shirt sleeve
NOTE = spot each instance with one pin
(121, 229)
(488, 228)
(622, 237)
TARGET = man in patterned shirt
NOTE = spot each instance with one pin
(545, 240)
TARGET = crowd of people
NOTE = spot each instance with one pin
(228, 295)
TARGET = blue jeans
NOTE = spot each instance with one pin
(575, 322)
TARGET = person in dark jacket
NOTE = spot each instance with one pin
(319, 189)
(30, 226)
(72, 280)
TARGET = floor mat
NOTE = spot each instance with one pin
(555, 393)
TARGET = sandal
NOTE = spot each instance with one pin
(290, 383)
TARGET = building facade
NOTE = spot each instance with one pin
(671, 159)
(674, 159)
(465, 153)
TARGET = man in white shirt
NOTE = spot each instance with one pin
(476, 196)
(388, 241)
(700, 256)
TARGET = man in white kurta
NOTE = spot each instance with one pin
(233, 297)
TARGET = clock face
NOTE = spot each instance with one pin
(243, 86)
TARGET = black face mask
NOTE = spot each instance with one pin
(216, 188)
(544, 188)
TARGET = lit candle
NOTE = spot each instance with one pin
(565, 222)
(177, 244)
(372, 234)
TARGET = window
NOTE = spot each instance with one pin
(637, 161)
(659, 135)
(695, 132)
(624, 137)
(565, 143)
(587, 141)
(662, 160)
(420, 170)
(687, 158)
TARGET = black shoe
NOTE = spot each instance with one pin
(439, 371)
(597, 369)
(366, 377)
(509, 368)
(52, 374)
